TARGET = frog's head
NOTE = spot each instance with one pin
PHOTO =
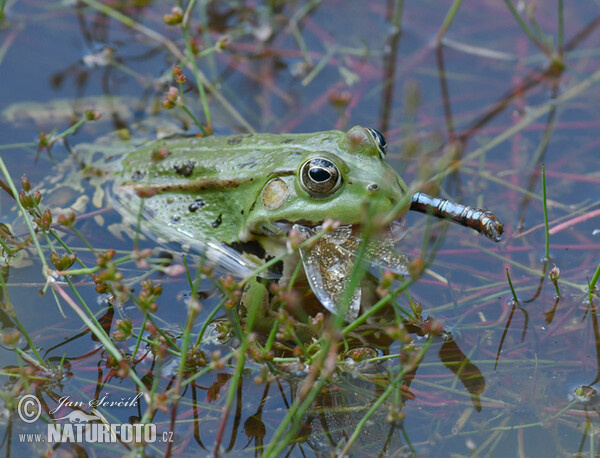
(331, 174)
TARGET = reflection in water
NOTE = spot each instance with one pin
(468, 373)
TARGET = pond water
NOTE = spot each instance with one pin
(462, 366)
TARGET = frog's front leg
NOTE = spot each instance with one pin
(255, 303)
(263, 306)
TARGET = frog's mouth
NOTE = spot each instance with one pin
(394, 233)
(329, 259)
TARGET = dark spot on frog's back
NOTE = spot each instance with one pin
(234, 140)
(185, 169)
(218, 221)
(137, 175)
(248, 164)
(287, 140)
(196, 205)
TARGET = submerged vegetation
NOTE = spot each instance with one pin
(476, 350)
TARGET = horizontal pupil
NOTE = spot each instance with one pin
(318, 174)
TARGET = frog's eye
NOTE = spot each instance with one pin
(380, 141)
(320, 177)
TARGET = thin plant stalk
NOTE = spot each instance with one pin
(208, 320)
(296, 411)
(26, 217)
(532, 116)
(239, 369)
(561, 28)
(199, 83)
(447, 21)
(9, 309)
(381, 399)
(173, 49)
(545, 213)
(593, 281)
(526, 28)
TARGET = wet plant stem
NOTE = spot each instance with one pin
(201, 91)
(397, 19)
(561, 29)
(381, 399)
(208, 320)
(527, 29)
(279, 258)
(26, 217)
(139, 337)
(545, 213)
(512, 289)
(72, 129)
(239, 369)
(295, 412)
(207, 369)
(447, 21)
(592, 283)
(11, 312)
(271, 338)
(193, 310)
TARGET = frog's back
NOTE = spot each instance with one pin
(200, 189)
(244, 157)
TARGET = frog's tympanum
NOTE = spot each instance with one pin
(237, 198)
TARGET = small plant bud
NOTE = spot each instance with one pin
(63, 262)
(416, 267)
(124, 330)
(45, 141)
(194, 46)
(67, 220)
(171, 97)
(433, 326)
(26, 185)
(26, 200)
(178, 74)
(92, 115)
(222, 43)
(554, 274)
(340, 99)
(175, 17)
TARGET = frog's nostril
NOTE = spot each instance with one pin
(373, 188)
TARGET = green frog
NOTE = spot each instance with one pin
(238, 198)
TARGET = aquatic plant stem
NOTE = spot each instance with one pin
(527, 29)
(532, 116)
(561, 29)
(239, 369)
(389, 390)
(8, 308)
(13, 188)
(208, 320)
(447, 21)
(512, 288)
(547, 258)
(173, 49)
(295, 412)
(592, 283)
